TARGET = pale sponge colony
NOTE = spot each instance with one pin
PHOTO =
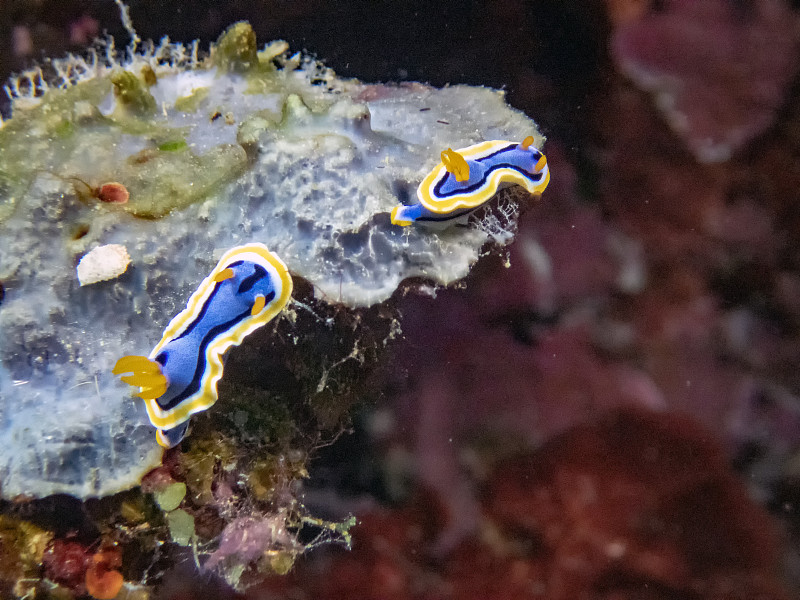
(204, 154)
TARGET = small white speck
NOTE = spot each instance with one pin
(615, 550)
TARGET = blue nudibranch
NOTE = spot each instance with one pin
(469, 177)
(247, 288)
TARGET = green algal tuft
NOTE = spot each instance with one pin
(132, 94)
(191, 102)
(33, 142)
(157, 183)
(236, 49)
(173, 146)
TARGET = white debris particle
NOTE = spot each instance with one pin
(103, 263)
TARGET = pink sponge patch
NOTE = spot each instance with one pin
(718, 70)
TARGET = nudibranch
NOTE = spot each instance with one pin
(469, 177)
(249, 286)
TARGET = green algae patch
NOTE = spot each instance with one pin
(281, 563)
(200, 463)
(38, 136)
(170, 497)
(181, 527)
(75, 133)
(173, 146)
(66, 136)
(303, 111)
(132, 94)
(64, 129)
(162, 181)
(149, 76)
(236, 49)
(22, 548)
(58, 104)
(191, 102)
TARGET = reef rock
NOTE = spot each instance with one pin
(242, 146)
(638, 505)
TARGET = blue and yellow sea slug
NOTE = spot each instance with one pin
(247, 288)
(469, 177)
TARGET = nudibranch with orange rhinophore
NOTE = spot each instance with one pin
(469, 177)
(249, 286)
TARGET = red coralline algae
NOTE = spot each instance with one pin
(73, 566)
(653, 189)
(637, 501)
(639, 505)
(494, 385)
(386, 564)
(65, 562)
(719, 242)
(718, 69)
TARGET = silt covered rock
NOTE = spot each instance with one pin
(242, 146)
